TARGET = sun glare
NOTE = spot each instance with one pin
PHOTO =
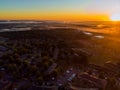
(115, 17)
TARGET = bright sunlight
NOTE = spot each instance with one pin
(115, 17)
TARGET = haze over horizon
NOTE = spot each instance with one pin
(59, 9)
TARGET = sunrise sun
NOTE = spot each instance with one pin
(115, 17)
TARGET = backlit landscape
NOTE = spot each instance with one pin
(59, 45)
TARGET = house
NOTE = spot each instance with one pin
(51, 68)
(3, 49)
(68, 76)
(4, 84)
(96, 82)
(55, 53)
(43, 87)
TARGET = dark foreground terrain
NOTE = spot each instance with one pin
(53, 60)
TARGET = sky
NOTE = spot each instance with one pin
(59, 9)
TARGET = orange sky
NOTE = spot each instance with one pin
(53, 16)
(71, 10)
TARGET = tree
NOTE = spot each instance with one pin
(40, 80)
(101, 75)
(111, 85)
